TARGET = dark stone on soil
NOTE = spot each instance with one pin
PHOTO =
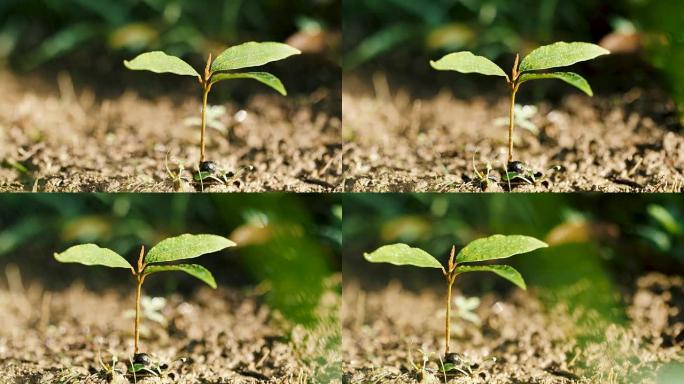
(453, 358)
(142, 358)
(516, 166)
(208, 166)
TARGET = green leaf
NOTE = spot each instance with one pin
(263, 77)
(402, 254)
(569, 77)
(498, 247)
(186, 247)
(507, 272)
(194, 270)
(91, 254)
(201, 176)
(135, 368)
(665, 218)
(466, 62)
(560, 54)
(160, 62)
(252, 54)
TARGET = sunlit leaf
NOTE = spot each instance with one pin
(466, 62)
(560, 54)
(665, 218)
(402, 254)
(498, 247)
(262, 77)
(91, 254)
(194, 270)
(160, 62)
(252, 54)
(186, 247)
(569, 77)
(507, 272)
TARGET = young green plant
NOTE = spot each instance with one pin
(556, 55)
(182, 247)
(251, 54)
(488, 248)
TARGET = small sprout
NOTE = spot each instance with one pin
(182, 247)
(251, 54)
(465, 307)
(556, 55)
(523, 118)
(151, 309)
(489, 248)
(213, 119)
(485, 179)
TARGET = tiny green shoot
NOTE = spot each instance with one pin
(251, 54)
(555, 55)
(484, 249)
(157, 259)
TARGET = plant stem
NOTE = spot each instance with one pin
(448, 315)
(140, 278)
(205, 93)
(137, 312)
(206, 87)
(511, 123)
(511, 115)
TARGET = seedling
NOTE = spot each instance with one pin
(485, 178)
(556, 55)
(241, 56)
(156, 260)
(489, 248)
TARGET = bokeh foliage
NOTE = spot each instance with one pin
(33, 32)
(490, 27)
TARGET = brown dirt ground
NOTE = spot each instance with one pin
(518, 341)
(398, 141)
(222, 336)
(71, 139)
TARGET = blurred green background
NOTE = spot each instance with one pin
(33, 32)
(402, 35)
(288, 243)
(90, 39)
(600, 243)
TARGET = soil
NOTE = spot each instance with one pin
(398, 139)
(518, 340)
(62, 135)
(214, 336)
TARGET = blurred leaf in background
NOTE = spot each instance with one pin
(34, 32)
(662, 26)
(663, 230)
(491, 28)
